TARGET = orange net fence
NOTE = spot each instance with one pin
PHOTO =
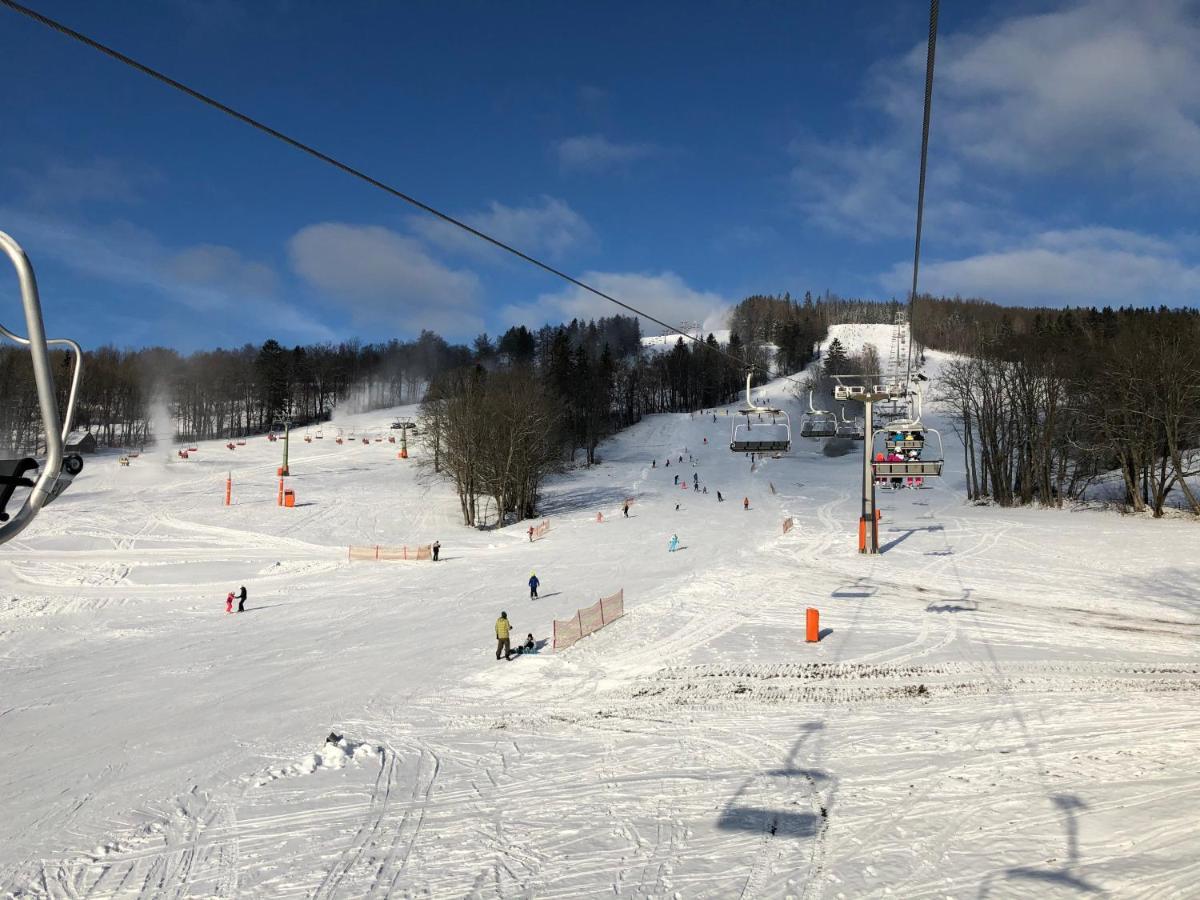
(587, 621)
(424, 551)
(540, 530)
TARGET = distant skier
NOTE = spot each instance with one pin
(720, 499)
(668, 465)
(625, 509)
(229, 603)
(502, 630)
(531, 534)
(677, 479)
(242, 599)
(745, 503)
(706, 489)
(681, 457)
(676, 507)
(437, 548)
(654, 463)
(706, 439)
(533, 586)
(673, 544)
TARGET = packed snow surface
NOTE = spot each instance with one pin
(1003, 702)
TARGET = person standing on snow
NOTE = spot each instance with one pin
(677, 479)
(533, 586)
(745, 503)
(242, 599)
(502, 630)
(437, 548)
(720, 499)
(673, 544)
(229, 603)
(625, 509)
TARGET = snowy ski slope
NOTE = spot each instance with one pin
(1004, 703)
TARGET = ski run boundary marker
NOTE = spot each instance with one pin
(587, 621)
(424, 551)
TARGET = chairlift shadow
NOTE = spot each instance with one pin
(906, 533)
(264, 606)
(1061, 876)
(965, 603)
(858, 590)
(781, 823)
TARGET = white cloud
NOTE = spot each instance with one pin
(1086, 266)
(384, 277)
(1103, 89)
(59, 183)
(217, 266)
(546, 227)
(1103, 85)
(206, 278)
(663, 295)
(596, 153)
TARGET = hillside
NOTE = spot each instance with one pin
(1003, 701)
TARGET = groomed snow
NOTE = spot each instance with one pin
(1004, 703)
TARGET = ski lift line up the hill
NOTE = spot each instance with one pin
(760, 437)
(58, 469)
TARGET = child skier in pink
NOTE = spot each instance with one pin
(229, 603)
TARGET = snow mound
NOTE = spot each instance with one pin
(330, 756)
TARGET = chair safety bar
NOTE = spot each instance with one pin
(50, 481)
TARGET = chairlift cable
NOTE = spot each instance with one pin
(297, 144)
(929, 58)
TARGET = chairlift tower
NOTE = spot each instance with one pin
(286, 422)
(869, 395)
(404, 424)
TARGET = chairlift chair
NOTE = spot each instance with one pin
(47, 479)
(760, 437)
(910, 437)
(850, 428)
(818, 423)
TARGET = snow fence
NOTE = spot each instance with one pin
(603, 612)
(540, 530)
(425, 551)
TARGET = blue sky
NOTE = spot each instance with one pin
(680, 155)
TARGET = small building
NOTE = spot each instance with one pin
(81, 441)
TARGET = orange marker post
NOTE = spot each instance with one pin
(279, 501)
(812, 626)
(228, 488)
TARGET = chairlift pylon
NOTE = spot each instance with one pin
(760, 437)
(56, 472)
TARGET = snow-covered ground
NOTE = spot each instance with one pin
(1004, 702)
(662, 343)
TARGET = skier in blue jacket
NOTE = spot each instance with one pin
(533, 586)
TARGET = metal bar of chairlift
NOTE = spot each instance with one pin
(58, 469)
(748, 437)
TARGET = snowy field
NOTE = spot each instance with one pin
(1004, 702)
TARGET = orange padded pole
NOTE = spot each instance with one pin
(812, 626)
